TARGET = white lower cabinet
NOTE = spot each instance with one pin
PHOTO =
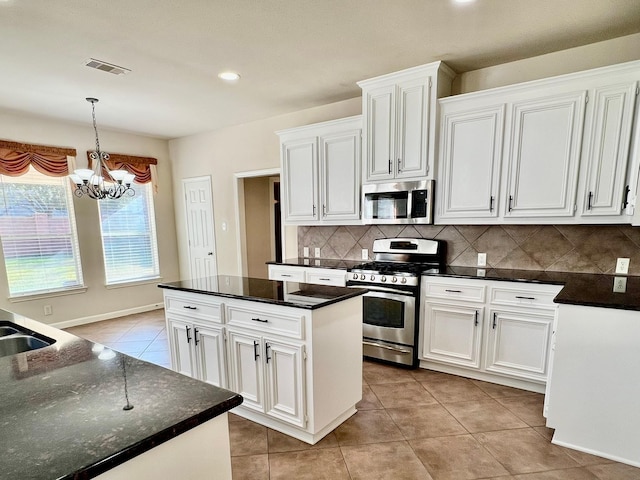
(518, 344)
(505, 338)
(453, 334)
(299, 370)
(268, 373)
(197, 350)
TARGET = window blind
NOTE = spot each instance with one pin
(129, 237)
(38, 233)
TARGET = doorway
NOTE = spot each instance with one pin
(260, 224)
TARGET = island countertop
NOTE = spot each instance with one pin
(61, 407)
(303, 295)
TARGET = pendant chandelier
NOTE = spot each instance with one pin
(92, 183)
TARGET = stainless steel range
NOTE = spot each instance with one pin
(391, 307)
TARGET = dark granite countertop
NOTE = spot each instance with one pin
(61, 407)
(319, 263)
(266, 291)
(593, 290)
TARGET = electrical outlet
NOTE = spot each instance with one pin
(48, 310)
(622, 266)
(482, 259)
(305, 251)
(365, 254)
(619, 284)
(317, 252)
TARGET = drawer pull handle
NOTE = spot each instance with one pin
(188, 336)
(256, 355)
(453, 291)
(525, 298)
(260, 320)
(195, 335)
(494, 320)
(325, 279)
(285, 275)
(189, 307)
(267, 347)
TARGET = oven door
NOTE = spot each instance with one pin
(389, 315)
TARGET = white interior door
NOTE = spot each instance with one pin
(200, 228)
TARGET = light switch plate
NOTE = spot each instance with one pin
(482, 259)
(619, 284)
(622, 265)
(365, 254)
(305, 251)
(317, 252)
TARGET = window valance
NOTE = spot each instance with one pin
(15, 159)
(144, 168)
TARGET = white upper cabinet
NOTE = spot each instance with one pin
(471, 156)
(607, 151)
(300, 167)
(555, 150)
(321, 172)
(399, 111)
(544, 151)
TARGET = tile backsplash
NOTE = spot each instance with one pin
(564, 248)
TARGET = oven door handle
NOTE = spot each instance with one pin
(382, 290)
(387, 347)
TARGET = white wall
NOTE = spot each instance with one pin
(221, 153)
(610, 52)
(97, 301)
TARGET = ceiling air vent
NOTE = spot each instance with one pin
(106, 67)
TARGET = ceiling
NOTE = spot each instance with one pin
(292, 54)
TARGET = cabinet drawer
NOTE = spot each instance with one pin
(542, 298)
(467, 292)
(286, 273)
(324, 276)
(266, 321)
(194, 306)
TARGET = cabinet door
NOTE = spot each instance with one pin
(340, 176)
(608, 149)
(380, 136)
(300, 167)
(209, 343)
(518, 344)
(412, 130)
(246, 369)
(180, 338)
(285, 381)
(471, 156)
(452, 334)
(544, 151)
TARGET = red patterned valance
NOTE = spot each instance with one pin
(138, 166)
(15, 159)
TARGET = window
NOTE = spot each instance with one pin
(38, 233)
(129, 236)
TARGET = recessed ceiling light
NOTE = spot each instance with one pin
(464, 1)
(229, 76)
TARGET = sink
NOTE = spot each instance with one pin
(15, 339)
(4, 331)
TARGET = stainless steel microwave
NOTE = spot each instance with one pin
(398, 203)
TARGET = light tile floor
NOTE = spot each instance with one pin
(410, 425)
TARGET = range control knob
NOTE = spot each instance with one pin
(362, 277)
(355, 276)
(404, 280)
(373, 277)
(394, 279)
(384, 279)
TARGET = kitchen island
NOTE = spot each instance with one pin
(65, 413)
(292, 350)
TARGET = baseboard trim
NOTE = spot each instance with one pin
(107, 316)
(598, 453)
